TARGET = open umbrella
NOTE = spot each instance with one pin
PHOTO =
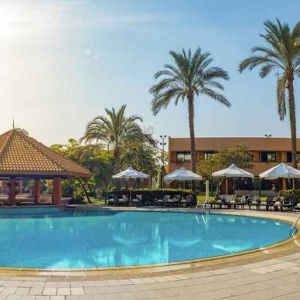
(182, 175)
(280, 171)
(130, 173)
(232, 171)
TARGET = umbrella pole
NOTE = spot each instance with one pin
(293, 183)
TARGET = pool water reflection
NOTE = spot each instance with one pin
(89, 239)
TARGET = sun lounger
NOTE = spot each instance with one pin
(124, 201)
(137, 200)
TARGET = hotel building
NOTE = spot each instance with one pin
(267, 151)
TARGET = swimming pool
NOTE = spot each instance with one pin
(89, 239)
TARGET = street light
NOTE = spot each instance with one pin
(162, 143)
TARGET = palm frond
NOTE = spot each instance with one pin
(216, 96)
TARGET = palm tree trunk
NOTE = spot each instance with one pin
(117, 161)
(293, 126)
(192, 131)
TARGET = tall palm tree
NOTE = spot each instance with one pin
(189, 76)
(116, 131)
(282, 55)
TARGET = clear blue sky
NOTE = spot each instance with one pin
(63, 62)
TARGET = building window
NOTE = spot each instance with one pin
(183, 156)
(289, 156)
(209, 154)
(268, 156)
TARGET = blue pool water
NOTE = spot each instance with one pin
(89, 239)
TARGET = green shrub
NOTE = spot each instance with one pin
(288, 193)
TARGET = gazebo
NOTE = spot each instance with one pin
(22, 157)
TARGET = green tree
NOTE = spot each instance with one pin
(282, 55)
(237, 155)
(142, 156)
(116, 132)
(189, 76)
(93, 157)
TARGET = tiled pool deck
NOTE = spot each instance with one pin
(272, 273)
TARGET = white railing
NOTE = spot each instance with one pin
(202, 206)
(295, 223)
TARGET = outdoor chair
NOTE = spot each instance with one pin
(158, 202)
(113, 200)
(239, 202)
(187, 201)
(176, 200)
(297, 207)
(124, 201)
(278, 203)
(255, 201)
(166, 200)
(228, 201)
(289, 203)
(138, 200)
(218, 202)
(170, 202)
(268, 203)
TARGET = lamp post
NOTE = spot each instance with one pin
(162, 143)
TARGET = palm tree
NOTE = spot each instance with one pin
(116, 131)
(190, 76)
(282, 54)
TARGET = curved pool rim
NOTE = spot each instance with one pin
(282, 243)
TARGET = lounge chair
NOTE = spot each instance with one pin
(228, 201)
(238, 202)
(278, 203)
(124, 201)
(289, 203)
(138, 200)
(218, 202)
(268, 203)
(113, 200)
(176, 200)
(255, 201)
(187, 201)
(163, 201)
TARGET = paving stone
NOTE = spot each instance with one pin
(77, 291)
(63, 291)
(49, 291)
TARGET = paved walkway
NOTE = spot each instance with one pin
(270, 274)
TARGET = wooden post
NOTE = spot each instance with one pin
(226, 186)
(284, 184)
(56, 196)
(37, 191)
(12, 191)
(20, 183)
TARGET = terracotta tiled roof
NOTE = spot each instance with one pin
(21, 155)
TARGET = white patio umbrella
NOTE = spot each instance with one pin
(182, 175)
(280, 171)
(233, 172)
(130, 173)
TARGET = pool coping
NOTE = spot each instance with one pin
(181, 266)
